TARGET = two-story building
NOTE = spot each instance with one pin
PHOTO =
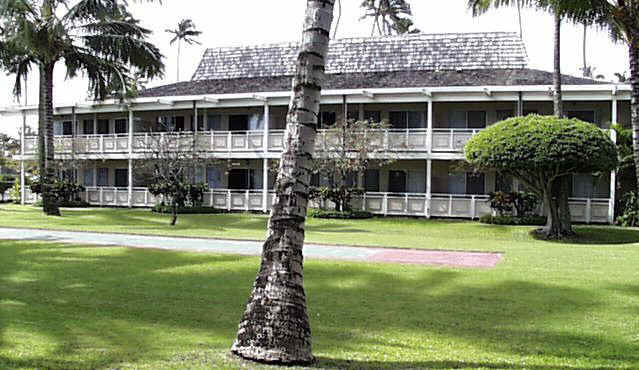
(434, 90)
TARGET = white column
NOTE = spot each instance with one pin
(429, 185)
(429, 122)
(267, 112)
(131, 128)
(23, 190)
(361, 112)
(613, 174)
(265, 205)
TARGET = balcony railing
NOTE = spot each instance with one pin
(409, 140)
(387, 204)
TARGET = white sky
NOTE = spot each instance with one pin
(247, 22)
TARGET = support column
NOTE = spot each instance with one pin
(23, 188)
(429, 124)
(520, 104)
(267, 123)
(131, 128)
(361, 112)
(265, 205)
(429, 185)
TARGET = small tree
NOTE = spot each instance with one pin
(539, 149)
(348, 151)
(170, 159)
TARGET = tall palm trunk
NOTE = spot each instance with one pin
(585, 73)
(275, 326)
(45, 140)
(562, 187)
(521, 31)
(178, 60)
(633, 50)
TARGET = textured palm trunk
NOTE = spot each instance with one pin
(562, 190)
(45, 140)
(275, 326)
(633, 49)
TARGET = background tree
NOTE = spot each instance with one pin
(388, 17)
(98, 38)
(349, 149)
(186, 32)
(275, 327)
(538, 150)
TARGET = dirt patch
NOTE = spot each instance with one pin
(438, 258)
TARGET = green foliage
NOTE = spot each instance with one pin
(505, 203)
(63, 190)
(15, 193)
(542, 145)
(6, 183)
(529, 220)
(343, 215)
(340, 195)
(502, 202)
(178, 193)
(629, 210)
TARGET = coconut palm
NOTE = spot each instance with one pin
(275, 327)
(387, 16)
(97, 38)
(186, 32)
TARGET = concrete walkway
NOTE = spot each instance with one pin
(253, 248)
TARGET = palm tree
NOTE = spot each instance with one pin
(275, 327)
(562, 188)
(387, 16)
(98, 38)
(186, 32)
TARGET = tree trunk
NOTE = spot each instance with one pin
(557, 98)
(552, 230)
(45, 140)
(585, 71)
(178, 60)
(521, 30)
(174, 214)
(633, 49)
(275, 326)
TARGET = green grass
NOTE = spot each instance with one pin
(387, 232)
(546, 306)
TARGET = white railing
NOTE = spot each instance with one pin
(418, 204)
(590, 210)
(383, 140)
(451, 139)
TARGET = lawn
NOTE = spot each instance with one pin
(386, 232)
(546, 306)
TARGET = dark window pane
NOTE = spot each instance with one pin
(121, 177)
(87, 127)
(353, 115)
(88, 177)
(103, 126)
(584, 115)
(102, 177)
(398, 120)
(327, 119)
(505, 114)
(373, 116)
(214, 122)
(315, 179)
(503, 183)
(475, 183)
(239, 179)
(121, 126)
(397, 181)
(476, 119)
(67, 128)
(200, 122)
(371, 181)
(415, 120)
(178, 123)
(239, 122)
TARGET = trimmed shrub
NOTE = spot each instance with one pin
(346, 215)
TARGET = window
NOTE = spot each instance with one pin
(353, 115)
(416, 182)
(583, 115)
(121, 177)
(475, 183)
(121, 126)
(200, 122)
(238, 122)
(396, 181)
(327, 119)
(371, 181)
(102, 177)
(214, 177)
(103, 126)
(505, 114)
(457, 119)
(67, 128)
(178, 123)
(256, 122)
(170, 124)
(457, 183)
(257, 181)
(315, 179)
(88, 176)
(239, 179)
(214, 122)
(589, 186)
(373, 116)
(476, 119)
(200, 175)
(87, 127)
(503, 183)
(402, 120)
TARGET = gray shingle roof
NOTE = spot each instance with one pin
(371, 80)
(418, 52)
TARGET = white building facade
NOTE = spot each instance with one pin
(435, 92)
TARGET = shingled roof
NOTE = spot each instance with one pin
(417, 52)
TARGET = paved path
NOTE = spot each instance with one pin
(253, 248)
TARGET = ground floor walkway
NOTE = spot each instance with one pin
(253, 248)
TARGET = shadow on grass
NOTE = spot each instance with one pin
(104, 306)
(353, 364)
(596, 235)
